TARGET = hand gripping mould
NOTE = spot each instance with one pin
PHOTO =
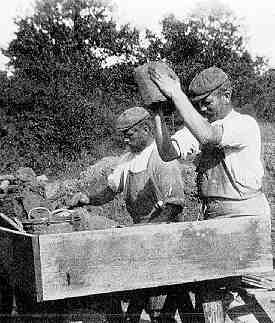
(149, 91)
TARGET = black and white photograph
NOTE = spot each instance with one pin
(137, 161)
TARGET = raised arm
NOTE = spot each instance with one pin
(199, 126)
(165, 146)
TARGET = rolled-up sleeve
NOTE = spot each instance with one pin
(185, 143)
(240, 131)
(116, 179)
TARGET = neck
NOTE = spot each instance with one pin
(149, 141)
(140, 149)
(228, 110)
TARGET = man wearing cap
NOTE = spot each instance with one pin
(152, 188)
(227, 144)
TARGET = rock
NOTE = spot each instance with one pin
(8, 177)
(32, 200)
(101, 168)
(4, 185)
(52, 189)
(26, 174)
(90, 221)
(92, 181)
(42, 180)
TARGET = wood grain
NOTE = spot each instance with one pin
(93, 262)
(266, 300)
(213, 312)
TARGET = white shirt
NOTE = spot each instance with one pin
(241, 141)
(131, 162)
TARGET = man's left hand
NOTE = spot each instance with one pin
(79, 199)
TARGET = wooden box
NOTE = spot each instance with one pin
(57, 266)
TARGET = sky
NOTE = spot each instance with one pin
(257, 19)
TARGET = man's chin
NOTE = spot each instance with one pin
(211, 118)
(135, 149)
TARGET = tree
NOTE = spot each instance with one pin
(60, 76)
(264, 98)
(204, 39)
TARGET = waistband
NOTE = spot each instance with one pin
(211, 198)
(220, 207)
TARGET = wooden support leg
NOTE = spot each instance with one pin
(113, 311)
(186, 309)
(249, 309)
(1, 299)
(213, 311)
(137, 302)
(14, 309)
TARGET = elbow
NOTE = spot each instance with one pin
(166, 156)
(205, 141)
(166, 151)
(211, 137)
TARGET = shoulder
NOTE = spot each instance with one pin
(239, 130)
(235, 118)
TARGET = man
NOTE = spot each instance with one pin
(152, 188)
(227, 144)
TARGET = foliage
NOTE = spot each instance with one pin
(202, 41)
(73, 74)
(265, 99)
(61, 94)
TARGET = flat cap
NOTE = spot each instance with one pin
(206, 82)
(130, 117)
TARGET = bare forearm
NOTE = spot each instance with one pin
(200, 127)
(102, 197)
(170, 213)
(164, 143)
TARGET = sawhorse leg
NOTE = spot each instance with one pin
(213, 311)
(209, 302)
(14, 307)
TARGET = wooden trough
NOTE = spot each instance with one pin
(58, 266)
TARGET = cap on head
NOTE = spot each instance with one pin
(131, 117)
(206, 82)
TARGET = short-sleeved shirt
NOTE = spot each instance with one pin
(146, 180)
(241, 144)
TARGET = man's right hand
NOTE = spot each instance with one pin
(78, 199)
(167, 84)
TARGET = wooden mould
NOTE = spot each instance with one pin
(57, 266)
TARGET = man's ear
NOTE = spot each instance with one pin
(146, 128)
(144, 125)
(227, 95)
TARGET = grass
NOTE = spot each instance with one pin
(268, 132)
(268, 156)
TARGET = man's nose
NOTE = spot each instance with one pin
(129, 133)
(203, 108)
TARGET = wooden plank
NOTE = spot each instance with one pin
(266, 300)
(17, 256)
(260, 280)
(92, 262)
(6, 252)
(213, 312)
(37, 268)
